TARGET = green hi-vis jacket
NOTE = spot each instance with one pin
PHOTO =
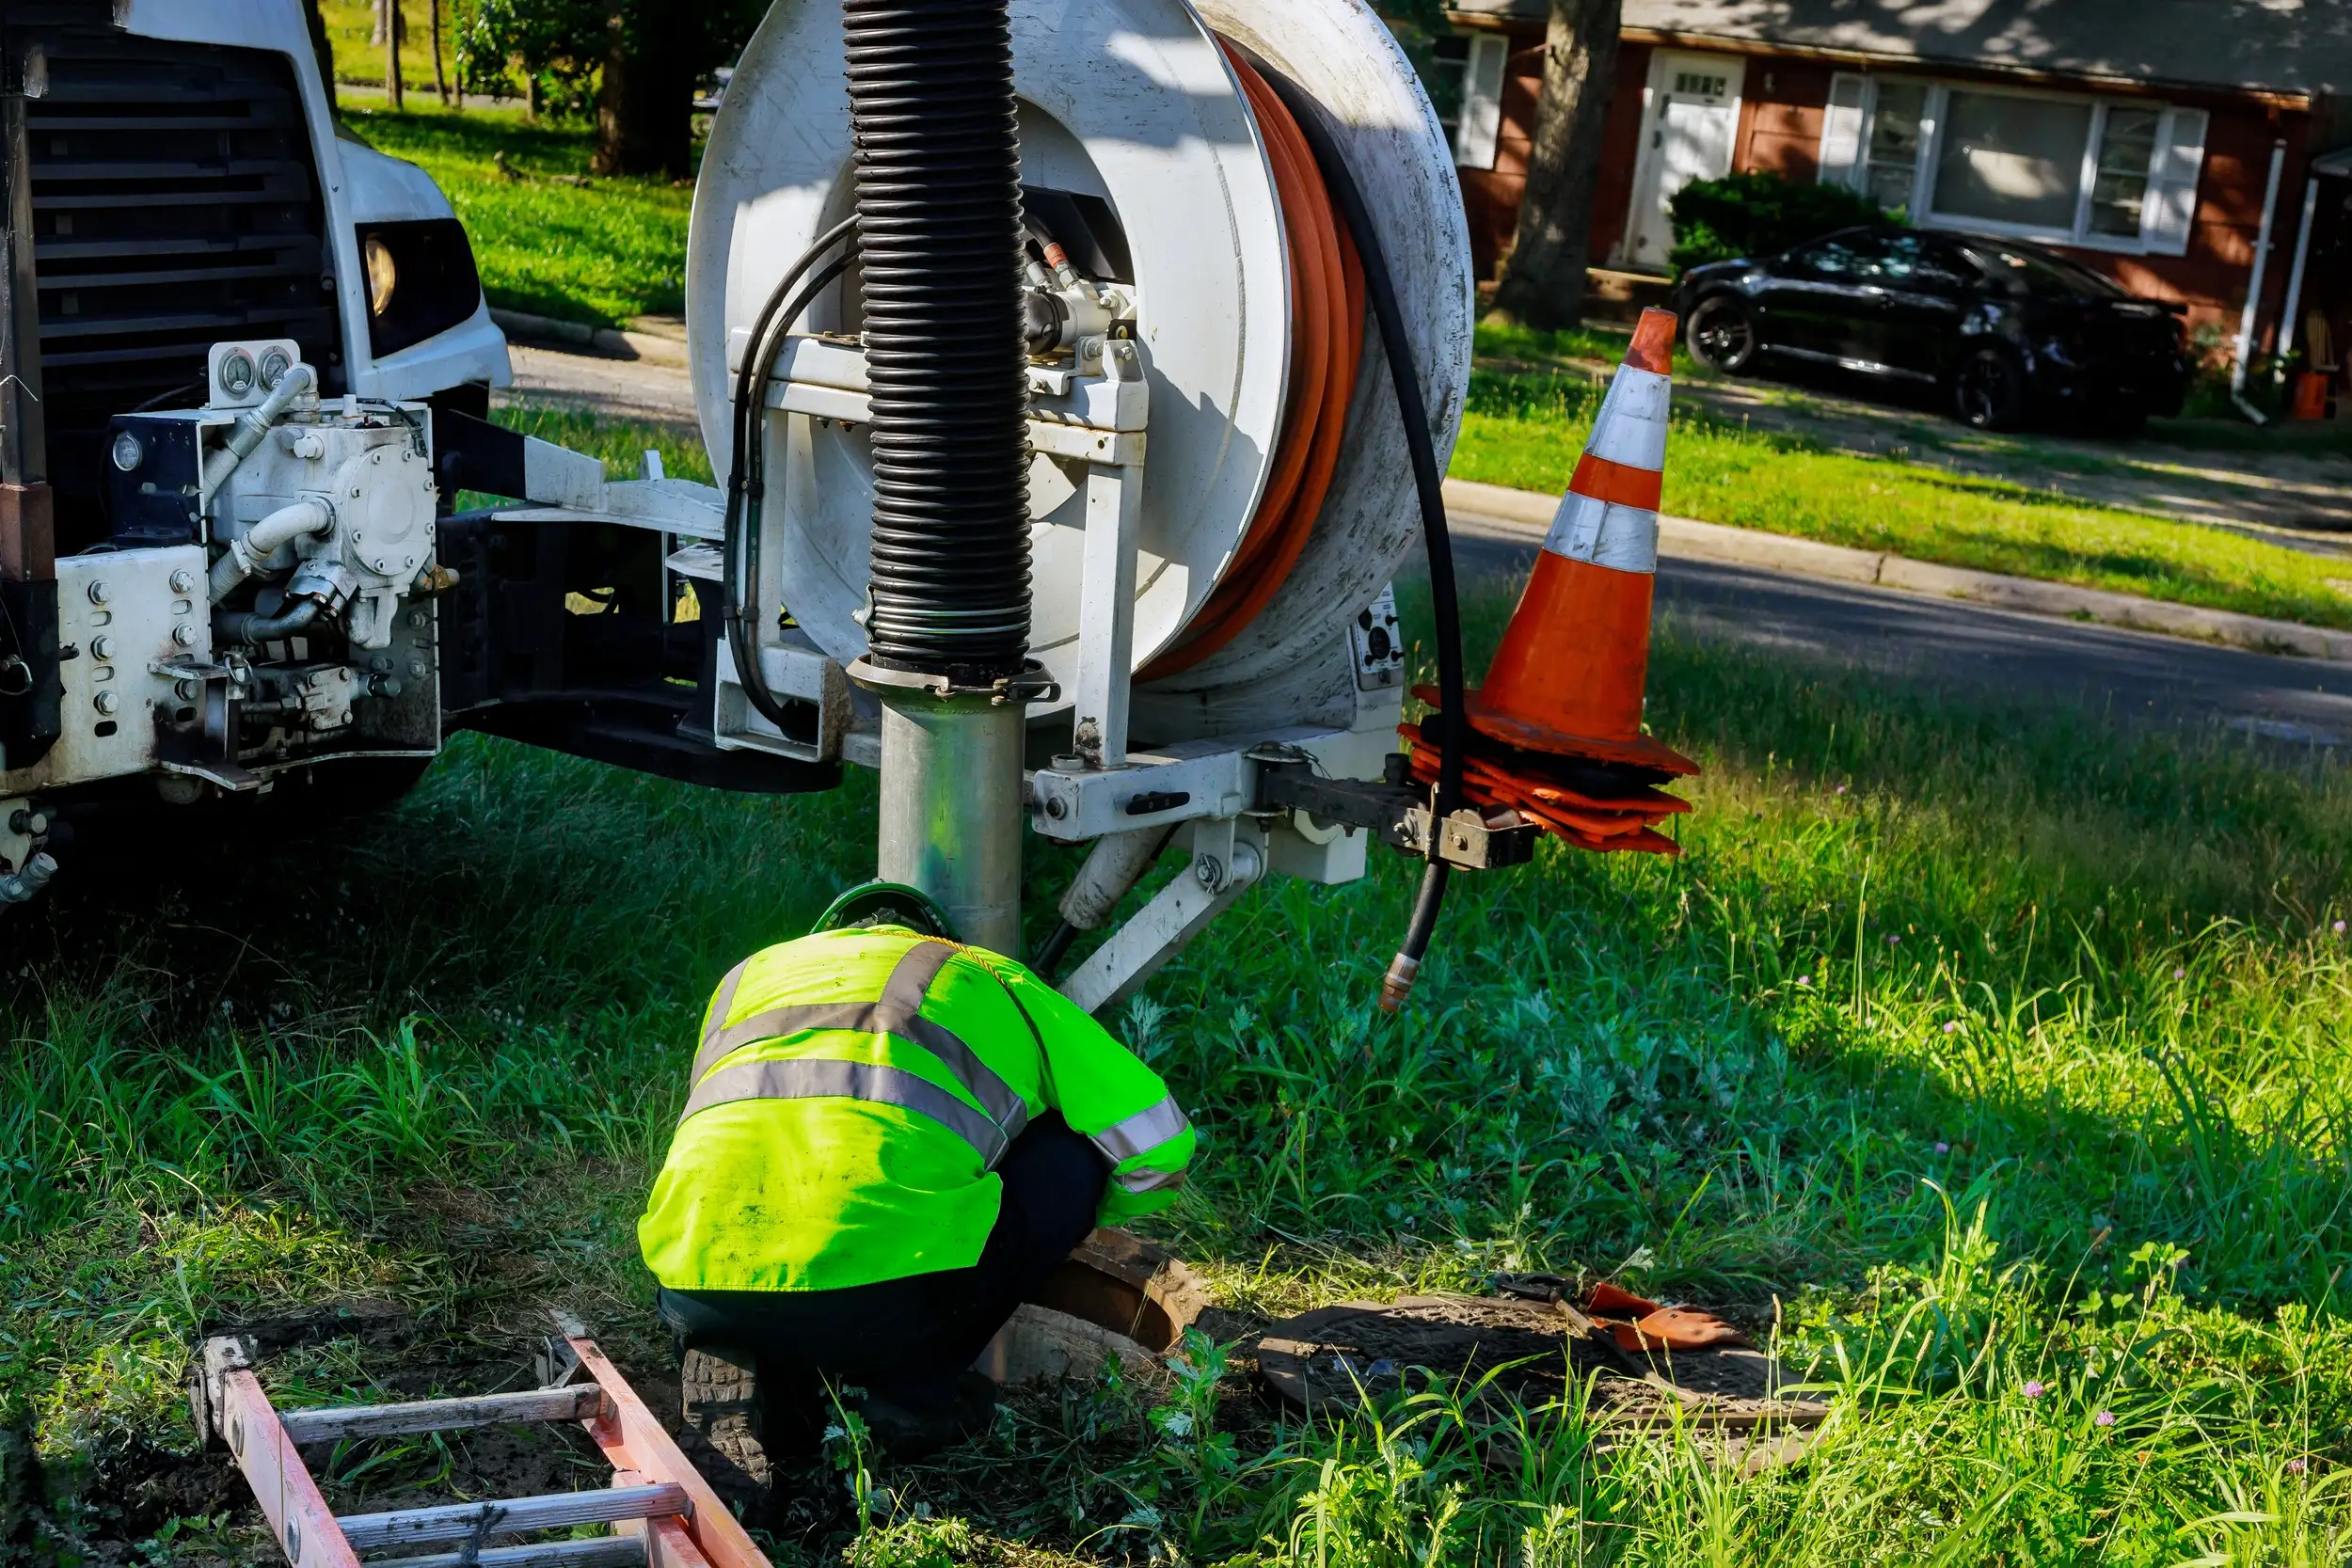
(852, 1096)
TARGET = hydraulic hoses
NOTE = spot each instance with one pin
(939, 221)
(747, 459)
(1430, 485)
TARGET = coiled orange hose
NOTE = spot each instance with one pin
(1327, 351)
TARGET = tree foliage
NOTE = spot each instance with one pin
(562, 45)
(1758, 215)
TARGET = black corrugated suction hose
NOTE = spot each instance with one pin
(938, 218)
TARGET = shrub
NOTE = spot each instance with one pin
(1758, 215)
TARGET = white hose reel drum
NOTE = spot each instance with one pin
(1132, 104)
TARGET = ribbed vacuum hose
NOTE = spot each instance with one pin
(939, 216)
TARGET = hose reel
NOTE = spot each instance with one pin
(1132, 110)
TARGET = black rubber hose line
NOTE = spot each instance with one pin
(938, 176)
(1430, 485)
(747, 465)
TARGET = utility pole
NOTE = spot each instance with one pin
(391, 55)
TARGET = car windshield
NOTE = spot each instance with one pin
(2030, 272)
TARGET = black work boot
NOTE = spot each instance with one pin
(723, 1410)
(911, 1424)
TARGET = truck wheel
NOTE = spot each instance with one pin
(1723, 334)
(1989, 390)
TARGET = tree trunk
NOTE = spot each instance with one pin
(321, 45)
(440, 78)
(646, 101)
(1543, 284)
(393, 29)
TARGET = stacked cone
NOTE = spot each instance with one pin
(1555, 733)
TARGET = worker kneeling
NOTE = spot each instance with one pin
(892, 1139)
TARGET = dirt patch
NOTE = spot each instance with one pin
(1520, 1352)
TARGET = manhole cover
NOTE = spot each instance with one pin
(1334, 1357)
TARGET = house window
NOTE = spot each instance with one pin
(2011, 160)
(1893, 162)
(2105, 174)
(1466, 89)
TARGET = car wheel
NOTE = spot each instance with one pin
(1989, 390)
(1723, 334)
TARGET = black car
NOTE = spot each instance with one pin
(2009, 332)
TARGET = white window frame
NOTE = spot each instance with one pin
(1486, 75)
(2080, 236)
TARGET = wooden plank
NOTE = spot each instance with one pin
(633, 1441)
(299, 1519)
(417, 1527)
(669, 1545)
(578, 1403)
(610, 1551)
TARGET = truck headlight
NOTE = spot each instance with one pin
(383, 275)
(420, 280)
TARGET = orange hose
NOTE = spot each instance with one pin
(1327, 351)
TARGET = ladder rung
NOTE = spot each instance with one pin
(417, 1527)
(609, 1551)
(578, 1404)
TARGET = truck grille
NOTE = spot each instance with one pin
(175, 203)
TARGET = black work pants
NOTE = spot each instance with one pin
(907, 1339)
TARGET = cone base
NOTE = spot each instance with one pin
(1638, 751)
(1602, 807)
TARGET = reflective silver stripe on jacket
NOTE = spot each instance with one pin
(896, 1013)
(1147, 1129)
(1140, 1181)
(802, 1078)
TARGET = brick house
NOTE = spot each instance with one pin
(2160, 141)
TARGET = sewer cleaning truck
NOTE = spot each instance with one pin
(1063, 476)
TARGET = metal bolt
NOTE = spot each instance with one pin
(381, 664)
(105, 701)
(187, 691)
(101, 647)
(183, 581)
(1056, 807)
(309, 448)
(419, 668)
(31, 823)
(1211, 871)
(98, 590)
(416, 619)
(183, 635)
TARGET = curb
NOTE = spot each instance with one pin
(659, 339)
(1526, 514)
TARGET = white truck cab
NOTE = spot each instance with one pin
(245, 373)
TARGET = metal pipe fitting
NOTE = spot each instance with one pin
(244, 558)
(951, 817)
(256, 423)
(22, 887)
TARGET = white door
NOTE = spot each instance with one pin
(1689, 119)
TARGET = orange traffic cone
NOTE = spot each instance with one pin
(1557, 727)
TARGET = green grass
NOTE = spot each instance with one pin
(601, 254)
(1951, 1027)
(1526, 431)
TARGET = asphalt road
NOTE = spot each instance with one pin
(2302, 704)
